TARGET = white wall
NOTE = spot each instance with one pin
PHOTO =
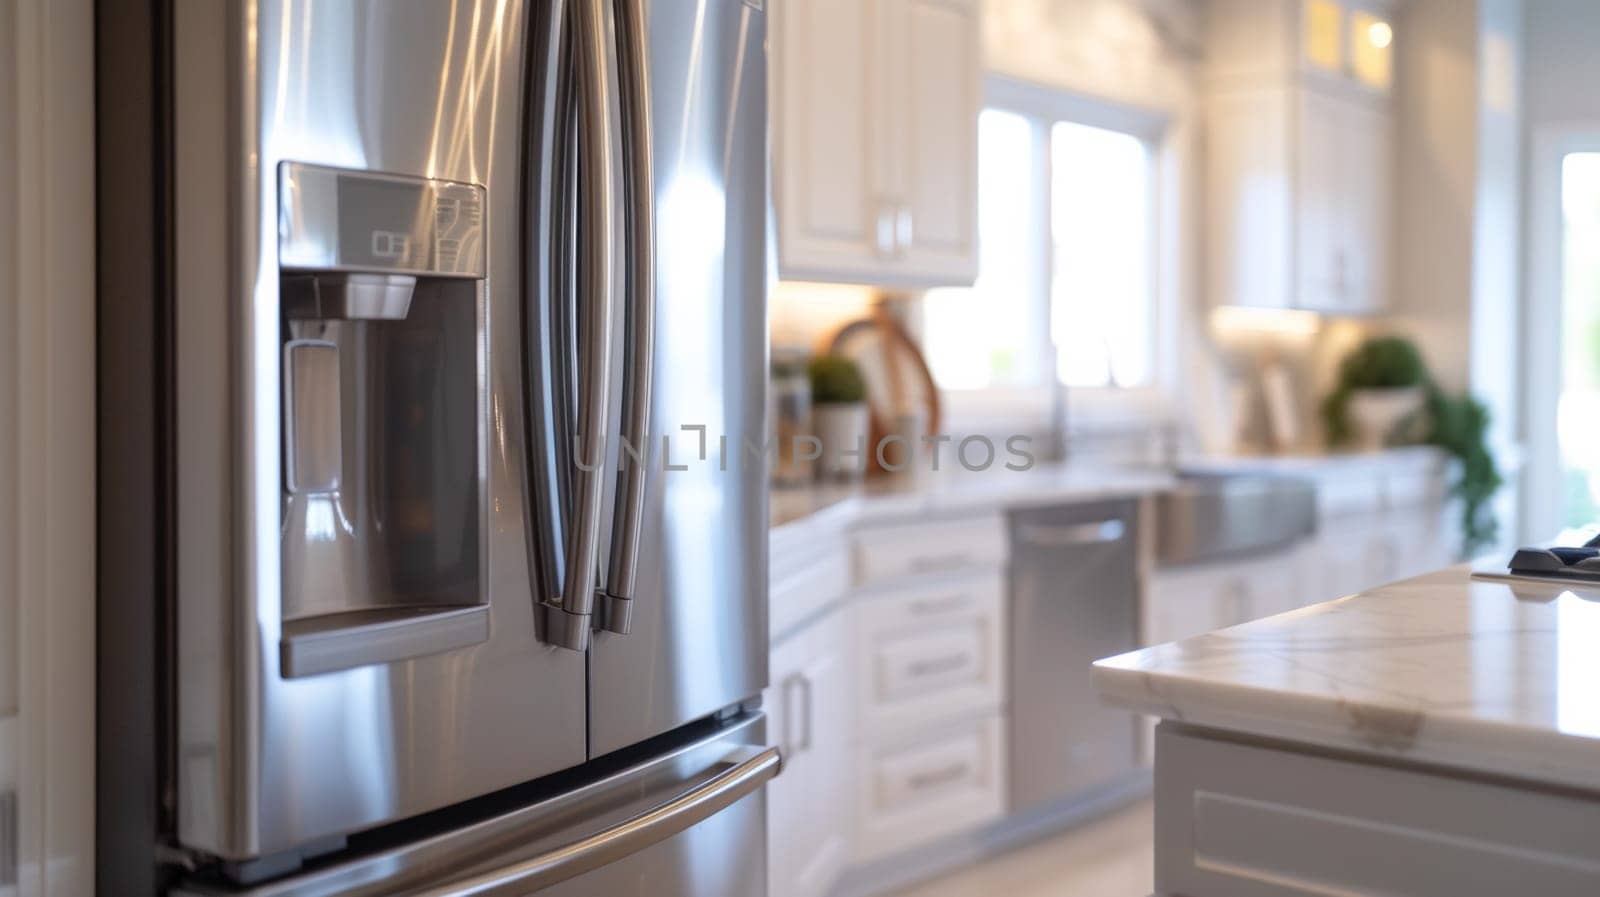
(47, 435)
(1563, 70)
(1561, 108)
(1458, 204)
(1435, 181)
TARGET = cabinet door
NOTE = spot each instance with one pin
(1321, 268)
(935, 104)
(823, 127)
(1351, 555)
(1249, 229)
(1343, 204)
(1364, 235)
(809, 810)
(1188, 602)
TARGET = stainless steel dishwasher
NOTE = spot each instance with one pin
(1074, 599)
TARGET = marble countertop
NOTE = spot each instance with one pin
(1440, 669)
(956, 490)
(824, 505)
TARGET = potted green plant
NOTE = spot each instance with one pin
(839, 414)
(1458, 424)
(1381, 389)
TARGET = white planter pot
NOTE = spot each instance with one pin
(842, 428)
(1376, 414)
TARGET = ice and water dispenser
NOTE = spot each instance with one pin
(383, 419)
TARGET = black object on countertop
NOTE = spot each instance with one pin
(1579, 563)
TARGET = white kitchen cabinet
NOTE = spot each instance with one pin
(874, 118)
(1298, 162)
(809, 807)
(929, 651)
(1349, 556)
(1188, 601)
(923, 785)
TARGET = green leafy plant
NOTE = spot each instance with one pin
(1457, 424)
(835, 380)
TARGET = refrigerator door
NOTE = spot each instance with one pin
(300, 721)
(690, 823)
(696, 641)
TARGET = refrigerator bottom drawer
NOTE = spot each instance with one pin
(687, 823)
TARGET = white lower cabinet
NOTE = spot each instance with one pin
(809, 710)
(928, 783)
(928, 652)
(1187, 601)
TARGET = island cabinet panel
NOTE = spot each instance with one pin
(1239, 818)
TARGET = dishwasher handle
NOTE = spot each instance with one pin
(1096, 532)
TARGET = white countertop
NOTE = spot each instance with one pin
(1440, 669)
(796, 511)
(954, 491)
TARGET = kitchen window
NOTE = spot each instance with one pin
(1066, 290)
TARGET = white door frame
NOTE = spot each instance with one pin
(1541, 325)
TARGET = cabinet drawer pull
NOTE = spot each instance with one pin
(935, 665)
(955, 560)
(938, 605)
(935, 777)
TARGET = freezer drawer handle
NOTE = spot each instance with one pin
(1075, 534)
(749, 769)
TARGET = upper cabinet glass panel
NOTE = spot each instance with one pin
(1324, 34)
(1371, 50)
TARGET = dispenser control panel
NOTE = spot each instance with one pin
(337, 219)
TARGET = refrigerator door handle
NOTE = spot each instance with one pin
(568, 620)
(742, 772)
(639, 352)
(545, 346)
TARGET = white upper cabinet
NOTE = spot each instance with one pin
(875, 140)
(1299, 155)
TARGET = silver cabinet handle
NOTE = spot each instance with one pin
(942, 776)
(795, 744)
(639, 351)
(941, 605)
(810, 712)
(953, 560)
(933, 666)
(1072, 534)
(904, 228)
(886, 228)
(568, 622)
(744, 771)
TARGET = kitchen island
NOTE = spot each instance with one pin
(1440, 735)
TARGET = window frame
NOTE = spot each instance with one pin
(1040, 406)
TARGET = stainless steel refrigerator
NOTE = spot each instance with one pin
(463, 333)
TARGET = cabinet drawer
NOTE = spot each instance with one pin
(916, 790)
(886, 553)
(930, 653)
(1403, 491)
(1359, 492)
(798, 592)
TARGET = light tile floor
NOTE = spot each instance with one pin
(1109, 857)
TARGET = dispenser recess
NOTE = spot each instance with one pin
(383, 417)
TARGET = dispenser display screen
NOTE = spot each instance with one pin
(384, 223)
(335, 219)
